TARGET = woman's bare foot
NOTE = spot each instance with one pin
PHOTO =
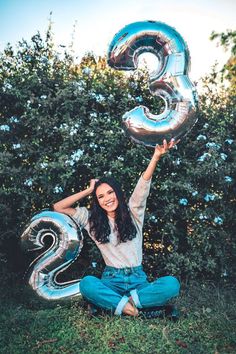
(130, 310)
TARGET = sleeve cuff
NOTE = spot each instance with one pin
(145, 180)
(81, 215)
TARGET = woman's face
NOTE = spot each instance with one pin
(107, 199)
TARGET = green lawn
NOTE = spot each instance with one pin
(207, 325)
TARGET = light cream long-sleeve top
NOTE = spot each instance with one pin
(124, 254)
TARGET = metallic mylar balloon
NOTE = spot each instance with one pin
(170, 81)
(67, 242)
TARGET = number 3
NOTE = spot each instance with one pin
(170, 81)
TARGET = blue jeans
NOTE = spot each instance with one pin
(113, 290)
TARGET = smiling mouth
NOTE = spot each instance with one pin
(109, 204)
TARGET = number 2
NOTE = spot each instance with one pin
(67, 242)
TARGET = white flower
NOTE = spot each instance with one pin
(218, 220)
(28, 182)
(93, 145)
(14, 119)
(7, 86)
(201, 137)
(44, 164)
(100, 98)
(5, 127)
(223, 156)
(209, 197)
(177, 161)
(183, 201)
(139, 99)
(229, 141)
(225, 273)
(73, 131)
(228, 179)
(76, 156)
(64, 126)
(202, 216)
(86, 71)
(120, 158)
(213, 146)
(204, 156)
(58, 189)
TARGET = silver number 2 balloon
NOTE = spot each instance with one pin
(170, 81)
(67, 242)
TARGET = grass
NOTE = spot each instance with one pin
(207, 325)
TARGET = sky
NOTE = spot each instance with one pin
(97, 21)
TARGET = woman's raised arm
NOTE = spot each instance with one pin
(158, 152)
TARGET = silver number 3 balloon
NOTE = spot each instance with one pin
(170, 81)
(67, 242)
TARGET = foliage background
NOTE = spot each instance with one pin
(61, 126)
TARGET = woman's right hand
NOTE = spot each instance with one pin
(92, 184)
(65, 205)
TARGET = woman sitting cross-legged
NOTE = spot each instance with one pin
(116, 228)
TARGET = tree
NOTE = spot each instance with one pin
(61, 126)
(228, 41)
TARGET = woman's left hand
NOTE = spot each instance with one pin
(164, 148)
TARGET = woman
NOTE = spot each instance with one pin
(117, 231)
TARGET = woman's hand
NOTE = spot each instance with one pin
(164, 148)
(92, 184)
(65, 205)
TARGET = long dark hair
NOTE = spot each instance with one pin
(98, 219)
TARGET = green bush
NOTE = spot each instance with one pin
(61, 126)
